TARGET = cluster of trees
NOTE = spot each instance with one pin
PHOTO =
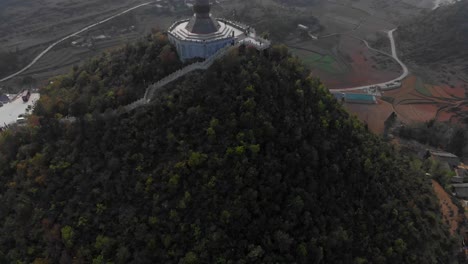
(251, 161)
(115, 78)
(450, 137)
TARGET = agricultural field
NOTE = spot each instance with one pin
(416, 101)
(349, 64)
(373, 115)
(325, 63)
(339, 57)
(117, 32)
(31, 23)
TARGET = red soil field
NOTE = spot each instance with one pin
(444, 116)
(412, 106)
(374, 115)
(416, 113)
(408, 86)
(440, 91)
(361, 71)
(446, 91)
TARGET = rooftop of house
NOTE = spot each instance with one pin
(443, 154)
(460, 185)
(201, 21)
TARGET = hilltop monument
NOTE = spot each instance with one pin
(201, 36)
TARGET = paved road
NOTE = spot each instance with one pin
(9, 112)
(382, 85)
(68, 37)
(395, 56)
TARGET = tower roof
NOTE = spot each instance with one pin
(202, 22)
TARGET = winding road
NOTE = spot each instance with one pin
(394, 55)
(38, 57)
(381, 85)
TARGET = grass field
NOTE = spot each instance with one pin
(422, 88)
(314, 60)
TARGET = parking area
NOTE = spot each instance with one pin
(9, 112)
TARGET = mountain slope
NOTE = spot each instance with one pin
(251, 161)
(440, 37)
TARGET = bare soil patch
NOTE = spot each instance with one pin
(418, 101)
(373, 115)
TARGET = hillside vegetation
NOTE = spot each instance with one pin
(440, 37)
(272, 20)
(251, 161)
(116, 78)
(9, 62)
(453, 138)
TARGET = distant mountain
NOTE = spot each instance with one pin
(251, 161)
(440, 37)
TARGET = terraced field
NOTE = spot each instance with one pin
(422, 88)
(417, 101)
(324, 63)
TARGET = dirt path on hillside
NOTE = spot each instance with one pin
(448, 209)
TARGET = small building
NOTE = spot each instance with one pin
(303, 27)
(457, 179)
(449, 160)
(78, 42)
(360, 98)
(462, 170)
(100, 37)
(461, 190)
(390, 86)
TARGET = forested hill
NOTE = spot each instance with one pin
(116, 78)
(440, 37)
(251, 161)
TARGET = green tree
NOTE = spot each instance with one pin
(68, 236)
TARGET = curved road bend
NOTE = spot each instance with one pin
(394, 55)
(67, 37)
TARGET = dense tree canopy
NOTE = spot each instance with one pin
(115, 78)
(251, 161)
(453, 138)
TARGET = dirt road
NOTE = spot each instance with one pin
(382, 85)
(38, 57)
